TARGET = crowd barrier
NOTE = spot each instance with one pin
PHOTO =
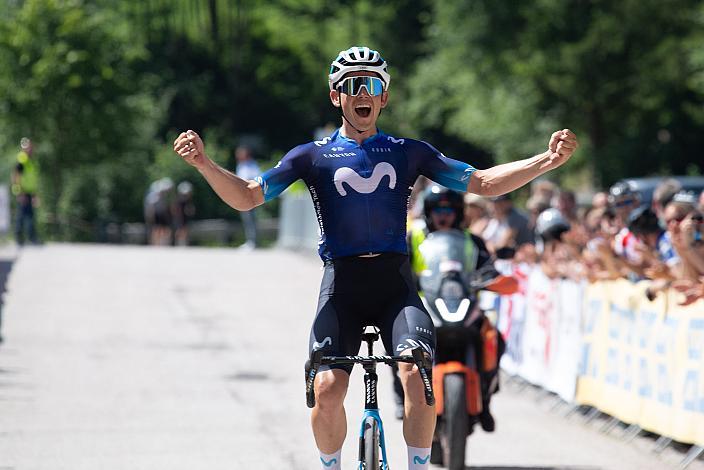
(606, 345)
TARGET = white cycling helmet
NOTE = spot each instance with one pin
(356, 59)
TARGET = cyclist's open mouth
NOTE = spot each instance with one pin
(363, 110)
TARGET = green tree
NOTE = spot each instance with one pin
(616, 72)
(68, 79)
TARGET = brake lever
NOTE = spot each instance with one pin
(425, 367)
(312, 366)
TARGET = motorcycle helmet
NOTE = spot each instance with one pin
(551, 224)
(356, 59)
(437, 196)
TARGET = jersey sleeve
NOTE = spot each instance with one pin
(293, 166)
(431, 163)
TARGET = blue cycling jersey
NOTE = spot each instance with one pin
(360, 191)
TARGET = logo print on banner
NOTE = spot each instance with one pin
(361, 184)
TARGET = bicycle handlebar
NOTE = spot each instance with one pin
(417, 357)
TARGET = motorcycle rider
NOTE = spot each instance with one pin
(443, 209)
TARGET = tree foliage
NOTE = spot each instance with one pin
(103, 86)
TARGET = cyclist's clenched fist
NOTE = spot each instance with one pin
(561, 147)
(189, 146)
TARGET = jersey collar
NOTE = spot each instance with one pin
(337, 136)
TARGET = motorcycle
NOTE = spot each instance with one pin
(467, 343)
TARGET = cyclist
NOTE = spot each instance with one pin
(360, 180)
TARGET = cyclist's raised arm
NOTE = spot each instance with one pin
(502, 179)
(238, 193)
(432, 164)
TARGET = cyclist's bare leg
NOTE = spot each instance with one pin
(328, 418)
(419, 418)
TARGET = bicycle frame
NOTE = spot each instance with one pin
(371, 404)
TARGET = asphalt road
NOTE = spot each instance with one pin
(130, 358)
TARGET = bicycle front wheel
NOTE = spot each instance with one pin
(369, 445)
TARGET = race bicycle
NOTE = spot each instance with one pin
(372, 447)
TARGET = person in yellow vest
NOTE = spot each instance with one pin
(443, 209)
(25, 182)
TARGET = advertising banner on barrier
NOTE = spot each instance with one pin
(542, 331)
(642, 361)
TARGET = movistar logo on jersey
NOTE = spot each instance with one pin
(326, 341)
(361, 184)
(322, 142)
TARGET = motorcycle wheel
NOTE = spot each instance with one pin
(370, 445)
(456, 422)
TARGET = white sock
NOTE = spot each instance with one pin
(418, 458)
(331, 461)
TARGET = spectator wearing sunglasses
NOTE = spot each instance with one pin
(622, 201)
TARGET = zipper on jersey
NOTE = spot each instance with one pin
(363, 155)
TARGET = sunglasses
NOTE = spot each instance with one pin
(443, 210)
(675, 219)
(352, 86)
(624, 203)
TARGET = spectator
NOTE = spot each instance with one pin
(656, 257)
(476, 213)
(600, 261)
(600, 200)
(157, 211)
(645, 226)
(701, 202)
(559, 258)
(543, 189)
(663, 194)
(566, 203)
(684, 225)
(508, 228)
(247, 169)
(25, 182)
(623, 200)
(183, 212)
(535, 205)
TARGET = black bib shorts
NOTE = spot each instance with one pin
(377, 291)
